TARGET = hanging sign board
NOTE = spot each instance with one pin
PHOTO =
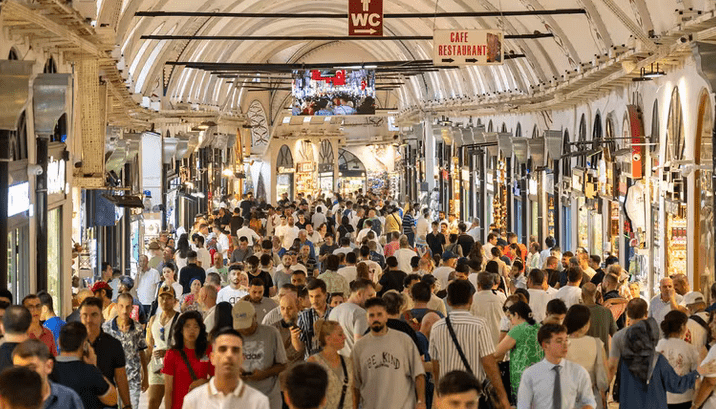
(636, 132)
(365, 18)
(18, 198)
(467, 47)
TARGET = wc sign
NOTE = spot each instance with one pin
(365, 18)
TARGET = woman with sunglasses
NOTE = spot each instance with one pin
(186, 365)
(158, 334)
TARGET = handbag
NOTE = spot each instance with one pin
(488, 395)
(345, 383)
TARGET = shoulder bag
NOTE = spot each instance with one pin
(488, 395)
(188, 365)
(345, 383)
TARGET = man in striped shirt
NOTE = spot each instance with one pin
(474, 337)
(409, 225)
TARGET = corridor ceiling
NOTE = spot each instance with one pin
(576, 40)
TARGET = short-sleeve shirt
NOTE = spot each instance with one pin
(385, 368)
(684, 358)
(525, 353)
(83, 378)
(305, 321)
(392, 280)
(262, 350)
(335, 283)
(55, 324)
(110, 355)
(602, 323)
(62, 397)
(174, 366)
(266, 278)
(353, 320)
(47, 338)
(133, 342)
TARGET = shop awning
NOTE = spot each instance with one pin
(131, 201)
(520, 147)
(553, 141)
(14, 77)
(49, 98)
(537, 152)
(504, 141)
(170, 150)
(491, 143)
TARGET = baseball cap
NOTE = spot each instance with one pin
(448, 255)
(243, 313)
(694, 297)
(100, 285)
(167, 289)
(127, 281)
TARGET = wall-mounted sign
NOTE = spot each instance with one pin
(18, 198)
(56, 177)
(306, 167)
(282, 169)
(365, 18)
(467, 47)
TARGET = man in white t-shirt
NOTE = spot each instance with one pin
(289, 233)
(442, 273)
(698, 322)
(232, 292)
(351, 314)
(571, 293)
(404, 254)
(349, 271)
(539, 297)
(422, 226)
(367, 226)
(248, 232)
(202, 254)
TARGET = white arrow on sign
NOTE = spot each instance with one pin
(365, 31)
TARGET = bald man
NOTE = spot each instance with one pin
(666, 301)
(287, 326)
(81, 295)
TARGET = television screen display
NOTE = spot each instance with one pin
(333, 92)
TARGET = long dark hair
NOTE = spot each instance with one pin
(183, 245)
(222, 317)
(202, 342)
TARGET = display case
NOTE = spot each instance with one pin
(676, 238)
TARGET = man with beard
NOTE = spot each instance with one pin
(351, 314)
(226, 389)
(287, 326)
(232, 292)
(308, 341)
(387, 364)
(274, 315)
(261, 304)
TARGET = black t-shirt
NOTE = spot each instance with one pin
(266, 278)
(435, 242)
(189, 273)
(326, 249)
(465, 241)
(246, 206)
(6, 354)
(110, 355)
(392, 280)
(83, 378)
(553, 277)
(599, 277)
(235, 223)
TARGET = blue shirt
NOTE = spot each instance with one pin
(634, 394)
(55, 324)
(537, 386)
(62, 397)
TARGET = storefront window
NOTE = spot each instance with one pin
(285, 170)
(54, 256)
(596, 232)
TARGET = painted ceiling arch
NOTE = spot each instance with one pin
(577, 39)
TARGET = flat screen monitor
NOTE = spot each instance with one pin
(333, 92)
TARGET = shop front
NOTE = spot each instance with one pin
(18, 229)
(325, 166)
(306, 178)
(704, 193)
(353, 176)
(284, 173)
(608, 192)
(57, 194)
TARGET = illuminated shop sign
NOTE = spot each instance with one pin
(56, 179)
(18, 199)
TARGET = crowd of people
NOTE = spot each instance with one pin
(357, 302)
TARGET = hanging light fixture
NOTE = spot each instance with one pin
(645, 75)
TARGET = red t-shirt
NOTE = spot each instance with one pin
(47, 338)
(175, 366)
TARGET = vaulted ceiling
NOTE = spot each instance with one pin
(576, 40)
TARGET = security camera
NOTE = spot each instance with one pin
(34, 170)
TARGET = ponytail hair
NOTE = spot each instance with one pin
(523, 310)
(323, 328)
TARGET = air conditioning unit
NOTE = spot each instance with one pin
(87, 8)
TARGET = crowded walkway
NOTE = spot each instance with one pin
(386, 298)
